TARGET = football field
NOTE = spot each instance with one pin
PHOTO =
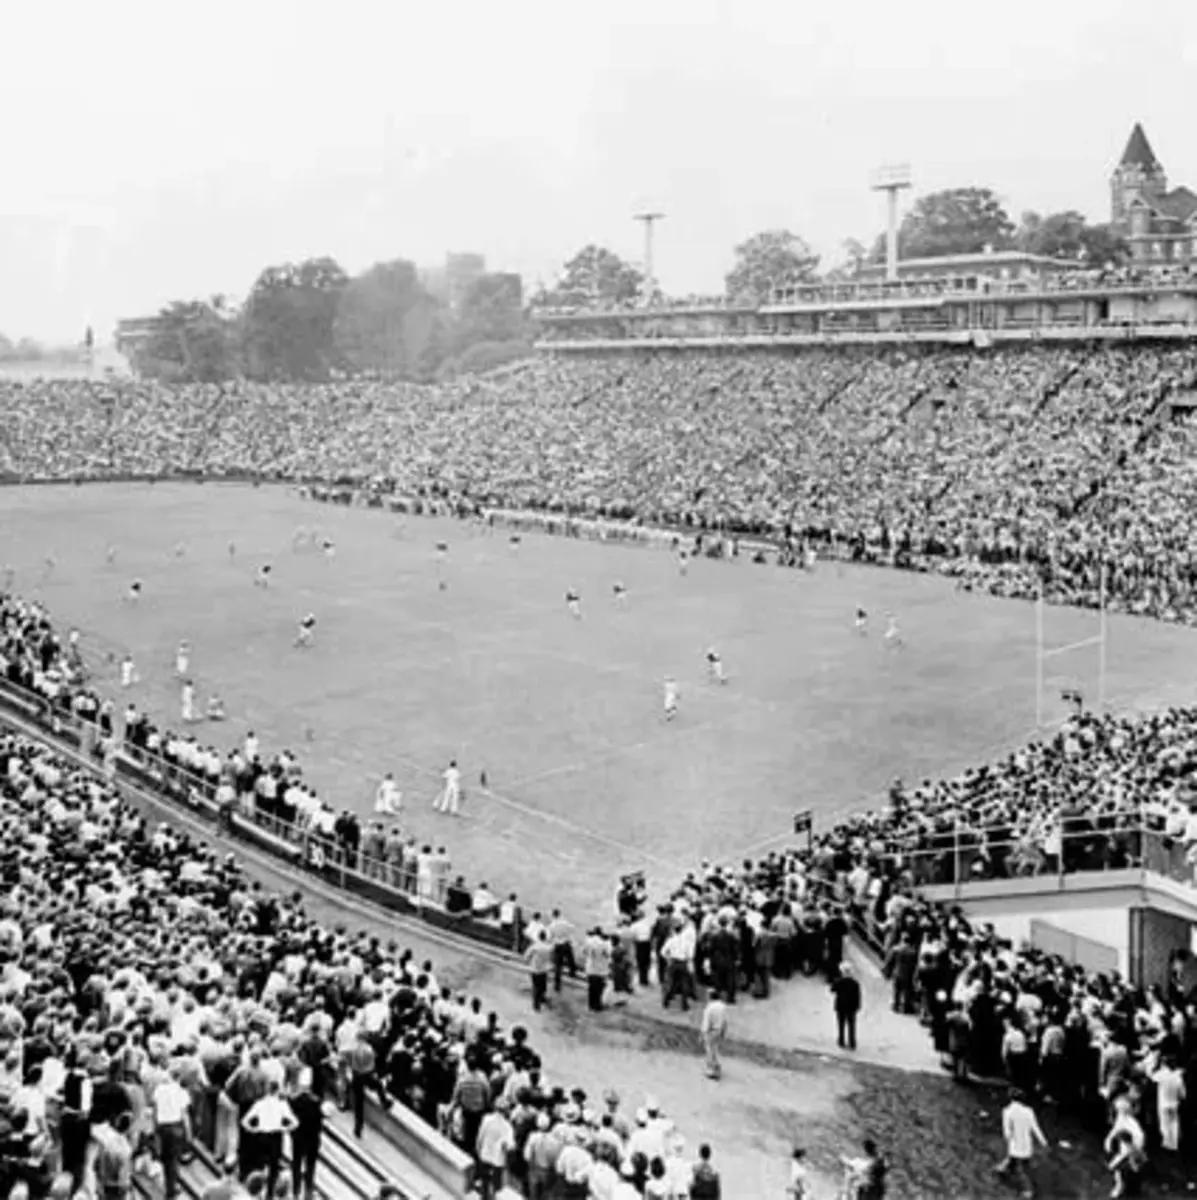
(585, 778)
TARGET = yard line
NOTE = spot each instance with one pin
(614, 751)
(636, 852)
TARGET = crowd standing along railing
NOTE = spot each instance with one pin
(1121, 840)
(379, 882)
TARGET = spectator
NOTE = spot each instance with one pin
(847, 997)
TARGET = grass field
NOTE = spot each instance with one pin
(585, 778)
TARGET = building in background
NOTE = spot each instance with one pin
(450, 282)
(1160, 224)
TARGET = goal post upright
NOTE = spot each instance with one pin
(1100, 641)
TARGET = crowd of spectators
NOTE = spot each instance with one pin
(1018, 470)
(234, 993)
(1106, 792)
(137, 962)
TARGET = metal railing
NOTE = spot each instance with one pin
(383, 882)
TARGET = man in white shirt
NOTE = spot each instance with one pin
(1170, 1092)
(388, 800)
(172, 1120)
(1020, 1128)
(449, 799)
(269, 1118)
(714, 1030)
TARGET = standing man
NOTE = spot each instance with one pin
(846, 990)
(724, 955)
(388, 800)
(449, 799)
(539, 957)
(363, 1066)
(172, 1121)
(268, 1120)
(305, 1137)
(561, 939)
(596, 964)
(1020, 1128)
(714, 1031)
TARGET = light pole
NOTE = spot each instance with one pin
(649, 219)
(891, 180)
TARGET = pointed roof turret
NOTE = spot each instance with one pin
(1138, 152)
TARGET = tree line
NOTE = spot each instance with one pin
(963, 220)
(966, 220)
(312, 321)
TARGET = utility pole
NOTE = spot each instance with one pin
(649, 219)
(891, 180)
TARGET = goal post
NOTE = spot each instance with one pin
(1045, 656)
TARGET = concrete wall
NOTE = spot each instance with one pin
(1108, 928)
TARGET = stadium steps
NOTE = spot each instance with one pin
(840, 388)
(1056, 386)
(377, 1158)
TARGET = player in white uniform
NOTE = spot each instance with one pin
(513, 543)
(307, 628)
(683, 562)
(133, 595)
(110, 555)
(449, 798)
(892, 637)
(715, 666)
(73, 640)
(180, 549)
(573, 601)
(128, 671)
(187, 701)
(621, 595)
(672, 693)
(182, 659)
(262, 579)
(862, 622)
(388, 800)
(329, 548)
(215, 708)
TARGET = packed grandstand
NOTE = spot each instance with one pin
(135, 955)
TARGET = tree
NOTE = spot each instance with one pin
(595, 275)
(766, 260)
(1068, 235)
(289, 320)
(492, 310)
(193, 340)
(855, 255)
(956, 221)
(372, 312)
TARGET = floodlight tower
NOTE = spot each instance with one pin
(891, 180)
(649, 219)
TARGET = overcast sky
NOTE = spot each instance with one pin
(155, 151)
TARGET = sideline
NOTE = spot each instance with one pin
(630, 1019)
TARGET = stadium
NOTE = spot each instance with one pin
(401, 779)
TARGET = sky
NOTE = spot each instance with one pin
(154, 151)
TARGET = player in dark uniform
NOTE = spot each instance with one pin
(307, 628)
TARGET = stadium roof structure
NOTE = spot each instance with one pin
(1138, 152)
(978, 262)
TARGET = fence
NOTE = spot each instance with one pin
(379, 882)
